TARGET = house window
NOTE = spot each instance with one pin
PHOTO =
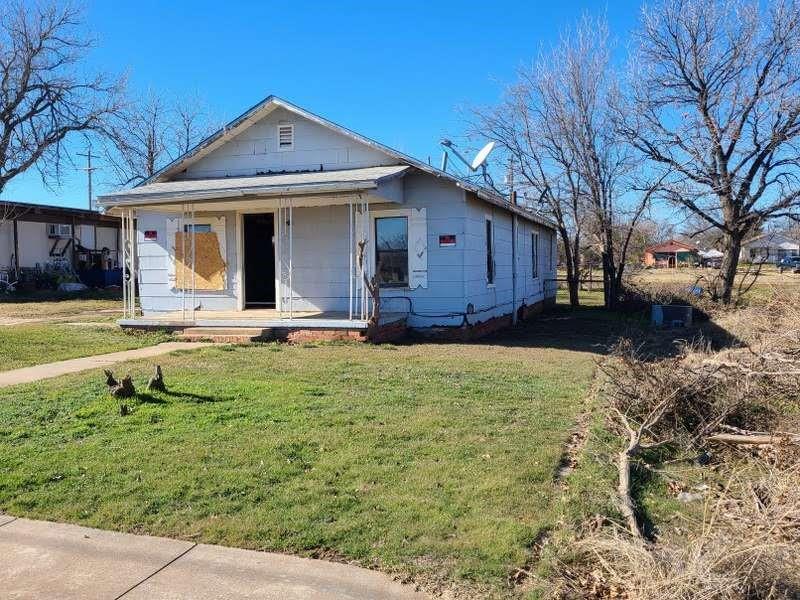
(285, 137)
(489, 252)
(391, 251)
(535, 255)
(197, 228)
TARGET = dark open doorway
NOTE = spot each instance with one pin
(259, 260)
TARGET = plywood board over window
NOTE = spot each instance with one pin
(209, 266)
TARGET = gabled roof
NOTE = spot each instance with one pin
(671, 246)
(270, 103)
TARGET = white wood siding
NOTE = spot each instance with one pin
(255, 150)
(156, 292)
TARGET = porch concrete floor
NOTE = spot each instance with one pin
(257, 317)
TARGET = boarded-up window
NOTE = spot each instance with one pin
(209, 266)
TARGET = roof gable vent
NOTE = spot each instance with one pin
(285, 137)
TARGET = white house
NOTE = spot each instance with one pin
(278, 219)
(769, 247)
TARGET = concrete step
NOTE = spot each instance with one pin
(225, 335)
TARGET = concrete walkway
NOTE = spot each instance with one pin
(53, 560)
(75, 365)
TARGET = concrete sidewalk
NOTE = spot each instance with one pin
(75, 365)
(53, 560)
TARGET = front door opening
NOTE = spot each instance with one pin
(259, 260)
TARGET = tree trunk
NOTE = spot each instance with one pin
(573, 284)
(610, 291)
(572, 260)
(730, 262)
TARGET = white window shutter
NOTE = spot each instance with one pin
(418, 249)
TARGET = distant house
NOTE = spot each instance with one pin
(769, 247)
(670, 254)
(39, 237)
(283, 220)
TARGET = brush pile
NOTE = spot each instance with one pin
(734, 413)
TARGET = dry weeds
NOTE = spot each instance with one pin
(745, 545)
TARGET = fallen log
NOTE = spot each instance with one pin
(756, 440)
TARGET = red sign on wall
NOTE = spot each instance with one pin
(151, 234)
(447, 240)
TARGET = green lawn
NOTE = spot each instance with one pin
(39, 343)
(432, 460)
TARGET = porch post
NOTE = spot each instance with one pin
(291, 256)
(128, 264)
(350, 281)
(132, 294)
(285, 250)
(123, 234)
(16, 250)
(182, 283)
(193, 292)
(365, 231)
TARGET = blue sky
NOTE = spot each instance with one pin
(396, 72)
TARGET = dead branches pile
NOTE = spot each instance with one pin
(737, 411)
(745, 548)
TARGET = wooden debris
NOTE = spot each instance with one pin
(754, 439)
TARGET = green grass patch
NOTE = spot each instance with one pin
(436, 460)
(39, 343)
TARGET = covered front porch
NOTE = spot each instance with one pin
(280, 251)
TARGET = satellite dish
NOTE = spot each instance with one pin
(481, 156)
(479, 162)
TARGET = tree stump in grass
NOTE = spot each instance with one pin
(121, 389)
(156, 382)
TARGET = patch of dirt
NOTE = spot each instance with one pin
(572, 449)
(521, 577)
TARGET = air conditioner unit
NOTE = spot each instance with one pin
(59, 230)
(671, 315)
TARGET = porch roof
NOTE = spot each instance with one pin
(278, 184)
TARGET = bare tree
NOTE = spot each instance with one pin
(149, 133)
(44, 94)
(545, 170)
(717, 101)
(558, 126)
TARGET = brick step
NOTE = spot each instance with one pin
(225, 335)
